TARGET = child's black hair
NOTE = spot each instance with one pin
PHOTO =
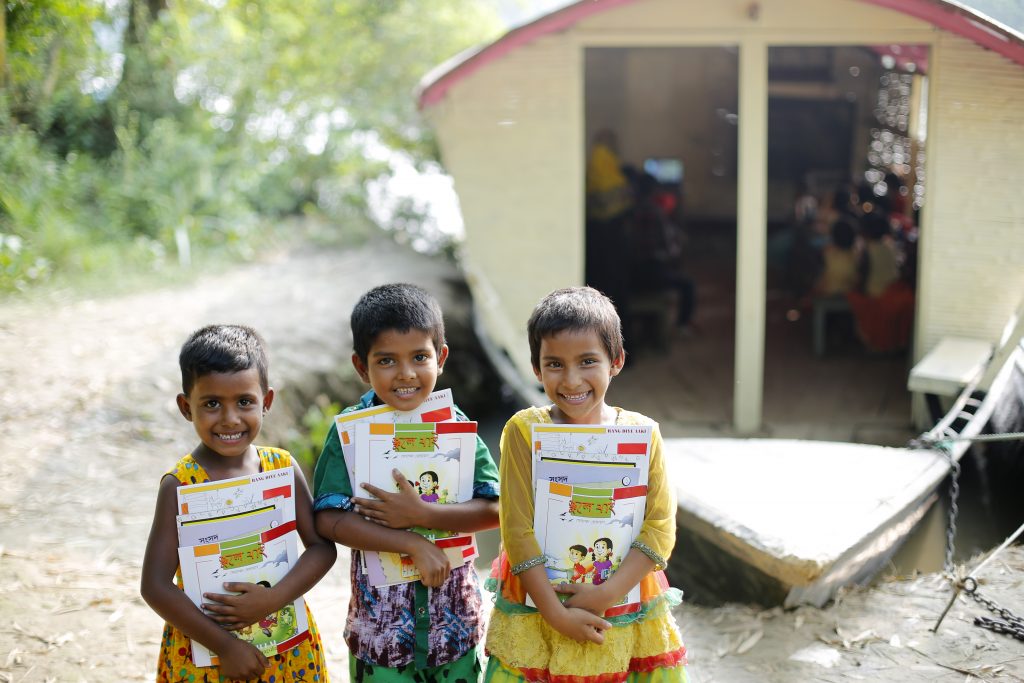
(875, 226)
(222, 348)
(432, 474)
(575, 309)
(581, 549)
(844, 232)
(400, 307)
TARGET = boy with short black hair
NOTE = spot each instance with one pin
(430, 628)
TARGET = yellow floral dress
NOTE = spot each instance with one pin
(304, 662)
(644, 647)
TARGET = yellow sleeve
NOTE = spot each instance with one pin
(515, 505)
(658, 533)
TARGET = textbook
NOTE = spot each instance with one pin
(584, 533)
(262, 558)
(590, 496)
(572, 454)
(242, 529)
(437, 407)
(438, 459)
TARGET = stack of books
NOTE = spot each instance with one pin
(437, 456)
(590, 496)
(242, 529)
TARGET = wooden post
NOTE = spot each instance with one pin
(751, 235)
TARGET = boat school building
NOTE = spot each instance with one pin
(737, 106)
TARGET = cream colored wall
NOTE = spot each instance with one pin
(971, 275)
(511, 136)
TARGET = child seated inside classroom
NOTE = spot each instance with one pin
(883, 306)
(428, 629)
(576, 348)
(225, 394)
(840, 272)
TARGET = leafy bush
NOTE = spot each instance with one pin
(305, 445)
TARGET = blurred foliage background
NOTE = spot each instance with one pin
(147, 136)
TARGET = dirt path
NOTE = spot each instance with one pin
(88, 422)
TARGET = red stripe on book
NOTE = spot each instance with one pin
(292, 642)
(285, 491)
(628, 608)
(439, 415)
(629, 492)
(277, 531)
(456, 428)
(453, 542)
(633, 448)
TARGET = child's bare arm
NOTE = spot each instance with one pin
(238, 659)
(349, 528)
(255, 602)
(598, 598)
(406, 509)
(573, 622)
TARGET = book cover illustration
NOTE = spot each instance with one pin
(437, 459)
(263, 558)
(437, 407)
(577, 454)
(584, 532)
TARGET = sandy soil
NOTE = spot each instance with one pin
(88, 423)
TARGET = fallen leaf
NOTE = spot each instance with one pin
(13, 657)
(750, 642)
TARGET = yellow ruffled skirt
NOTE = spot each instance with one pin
(645, 646)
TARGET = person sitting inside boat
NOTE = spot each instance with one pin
(655, 249)
(883, 308)
(609, 201)
(840, 260)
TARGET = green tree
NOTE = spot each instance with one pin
(163, 127)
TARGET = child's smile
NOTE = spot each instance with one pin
(402, 367)
(226, 409)
(575, 370)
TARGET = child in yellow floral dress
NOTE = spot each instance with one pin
(576, 348)
(225, 394)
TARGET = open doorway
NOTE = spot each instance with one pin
(845, 131)
(661, 124)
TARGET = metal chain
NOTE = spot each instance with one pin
(1011, 624)
(954, 510)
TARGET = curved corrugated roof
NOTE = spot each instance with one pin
(944, 14)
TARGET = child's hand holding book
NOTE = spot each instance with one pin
(432, 563)
(401, 510)
(246, 604)
(596, 599)
(241, 659)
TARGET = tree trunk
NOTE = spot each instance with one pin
(3, 45)
(146, 86)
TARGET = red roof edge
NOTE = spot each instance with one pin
(945, 14)
(436, 83)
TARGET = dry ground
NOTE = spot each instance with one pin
(87, 420)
